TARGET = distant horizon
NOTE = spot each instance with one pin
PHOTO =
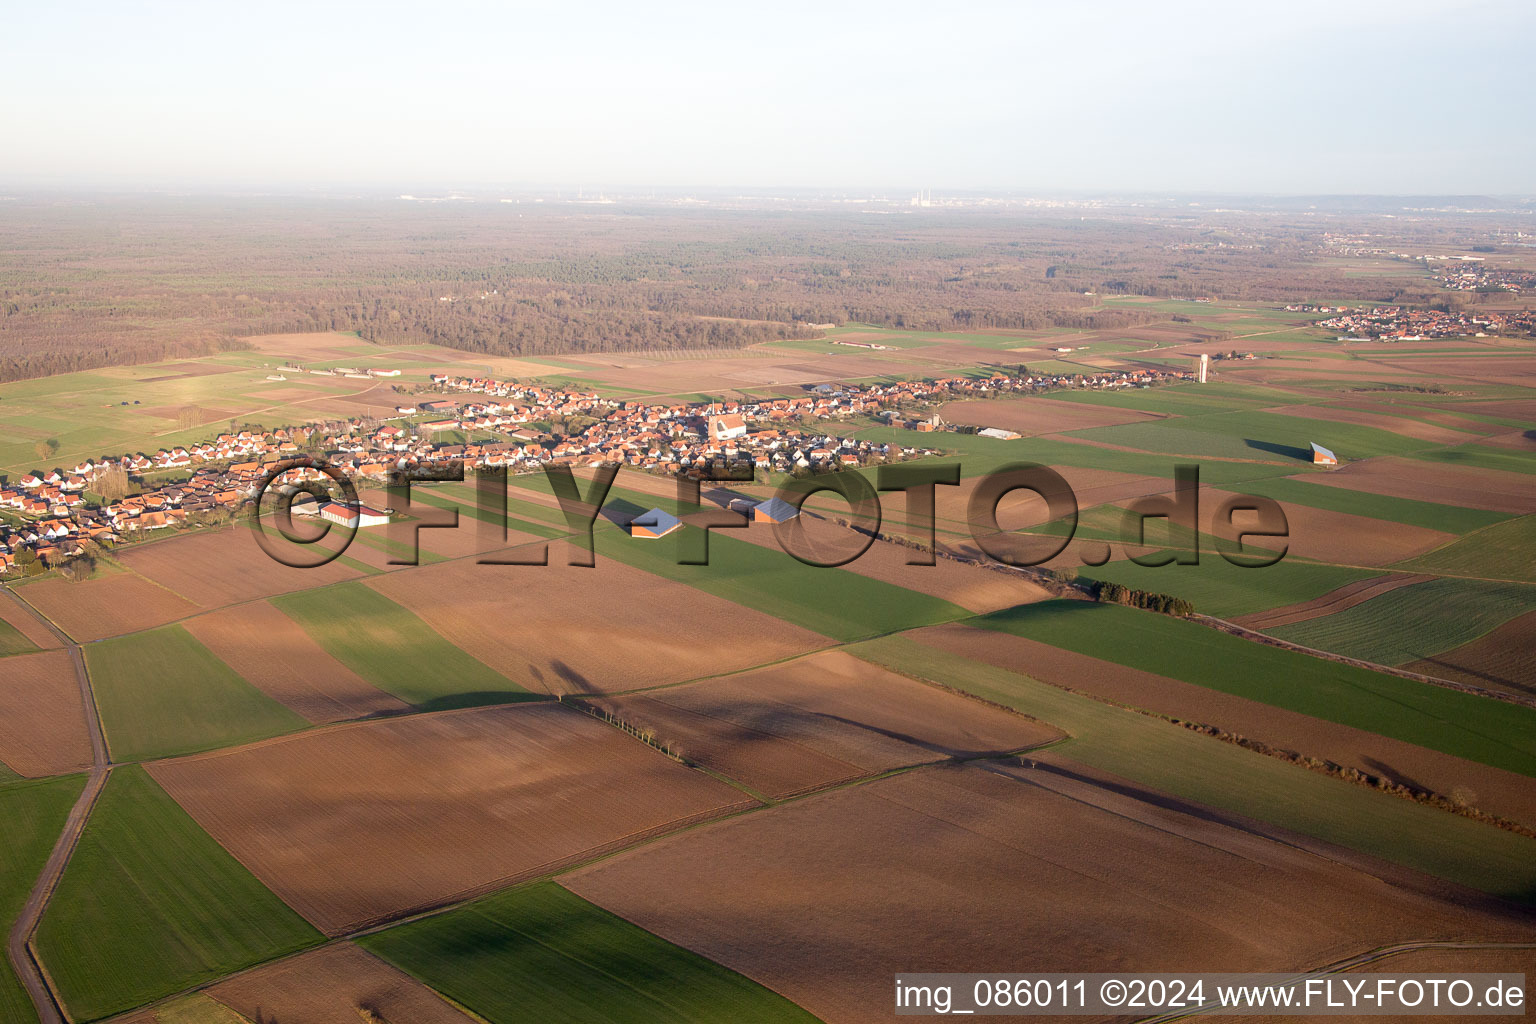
(1322, 97)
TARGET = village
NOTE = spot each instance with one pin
(48, 518)
(1394, 323)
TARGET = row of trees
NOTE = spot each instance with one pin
(1106, 592)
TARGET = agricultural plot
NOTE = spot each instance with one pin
(150, 905)
(1323, 535)
(1490, 732)
(273, 653)
(394, 650)
(162, 693)
(1414, 622)
(1038, 415)
(1309, 491)
(535, 623)
(1253, 434)
(1499, 660)
(1207, 771)
(34, 813)
(221, 567)
(42, 717)
(1407, 427)
(541, 953)
(336, 984)
(1217, 587)
(1506, 551)
(1493, 790)
(446, 805)
(940, 866)
(1347, 596)
(818, 720)
(105, 605)
(1416, 479)
(21, 631)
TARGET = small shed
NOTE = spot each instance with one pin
(774, 510)
(1322, 456)
(653, 524)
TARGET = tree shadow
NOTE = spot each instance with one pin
(478, 699)
(1287, 451)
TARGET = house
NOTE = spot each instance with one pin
(774, 510)
(1322, 456)
(343, 515)
(653, 524)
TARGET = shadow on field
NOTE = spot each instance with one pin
(1287, 451)
(478, 699)
(620, 512)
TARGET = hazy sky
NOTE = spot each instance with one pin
(1301, 96)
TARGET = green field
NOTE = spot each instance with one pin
(150, 905)
(1428, 514)
(1414, 622)
(1217, 587)
(34, 813)
(1186, 764)
(394, 650)
(1482, 457)
(1491, 732)
(1505, 551)
(12, 641)
(1253, 434)
(543, 955)
(162, 693)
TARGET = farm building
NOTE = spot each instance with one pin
(774, 510)
(344, 515)
(653, 524)
(997, 432)
(1322, 456)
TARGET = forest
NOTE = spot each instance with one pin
(96, 282)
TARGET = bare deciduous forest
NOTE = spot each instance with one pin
(95, 283)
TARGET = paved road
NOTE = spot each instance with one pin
(19, 944)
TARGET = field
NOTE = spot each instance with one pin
(1490, 490)
(1037, 415)
(334, 983)
(33, 812)
(661, 632)
(540, 953)
(821, 719)
(1163, 758)
(1492, 790)
(163, 693)
(105, 605)
(1217, 587)
(394, 650)
(1499, 660)
(1336, 600)
(941, 866)
(222, 567)
(446, 805)
(1413, 622)
(150, 905)
(1489, 732)
(1503, 551)
(273, 653)
(34, 634)
(42, 720)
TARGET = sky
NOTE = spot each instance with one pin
(1296, 97)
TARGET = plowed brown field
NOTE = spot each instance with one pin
(219, 568)
(331, 985)
(1504, 659)
(825, 899)
(278, 657)
(568, 629)
(821, 719)
(104, 606)
(356, 822)
(42, 719)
